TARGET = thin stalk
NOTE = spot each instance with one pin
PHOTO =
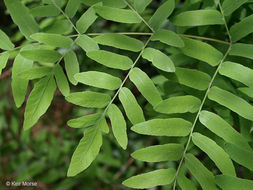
(205, 38)
(145, 22)
(204, 99)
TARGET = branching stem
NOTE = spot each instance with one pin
(203, 100)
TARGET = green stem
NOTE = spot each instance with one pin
(203, 101)
(205, 38)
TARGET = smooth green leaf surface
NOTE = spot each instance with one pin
(118, 125)
(198, 18)
(178, 104)
(41, 55)
(61, 80)
(158, 153)
(237, 72)
(110, 59)
(18, 84)
(247, 91)
(86, 151)
(86, 20)
(193, 78)
(89, 99)
(145, 86)
(110, 3)
(231, 101)
(221, 128)
(240, 155)
(71, 66)
(5, 42)
(159, 59)
(185, 183)
(200, 172)
(242, 50)
(215, 153)
(87, 43)
(99, 80)
(22, 17)
(168, 37)
(45, 11)
(84, 121)
(201, 51)
(55, 40)
(242, 28)
(229, 6)
(131, 106)
(120, 41)
(117, 15)
(39, 100)
(226, 182)
(72, 7)
(163, 127)
(161, 14)
(151, 179)
(140, 5)
(3, 60)
(35, 73)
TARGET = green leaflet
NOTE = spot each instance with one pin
(86, 20)
(3, 60)
(118, 125)
(89, 99)
(110, 59)
(41, 55)
(242, 28)
(145, 86)
(198, 18)
(241, 156)
(5, 42)
(87, 43)
(22, 18)
(140, 5)
(163, 127)
(168, 37)
(117, 15)
(226, 182)
(45, 11)
(39, 100)
(231, 101)
(242, 50)
(215, 153)
(201, 51)
(59, 27)
(71, 66)
(35, 73)
(185, 183)
(103, 125)
(18, 84)
(86, 151)
(178, 104)
(72, 7)
(221, 128)
(159, 59)
(110, 3)
(200, 172)
(151, 179)
(235, 70)
(99, 80)
(61, 80)
(159, 153)
(191, 78)
(84, 121)
(131, 106)
(247, 91)
(229, 6)
(55, 40)
(161, 14)
(120, 41)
